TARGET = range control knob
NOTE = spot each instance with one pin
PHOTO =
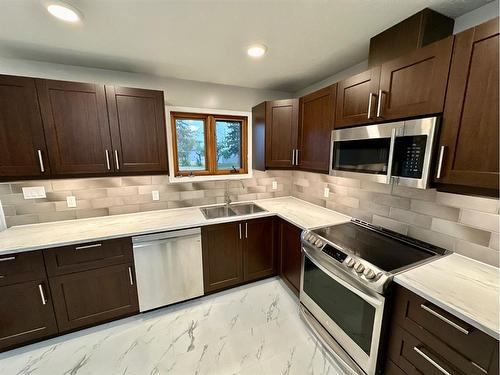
(318, 243)
(307, 236)
(349, 262)
(358, 267)
(369, 274)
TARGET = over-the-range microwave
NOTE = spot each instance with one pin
(397, 152)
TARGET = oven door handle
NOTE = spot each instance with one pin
(371, 297)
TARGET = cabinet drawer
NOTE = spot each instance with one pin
(21, 267)
(414, 313)
(81, 257)
(428, 356)
(91, 297)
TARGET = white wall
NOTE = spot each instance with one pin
(178, 92)
(470, 19)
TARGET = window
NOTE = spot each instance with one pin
(205, 144)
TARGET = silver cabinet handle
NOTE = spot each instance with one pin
(239, 225)
(370, 99)
(88, 246)
(7, 259)
(116, 160)
(440, 161)
(42, 294)
(379, 104)
(107, 160)
(40, 160)
(446, 320)
(246, 230)
(297, 157)
(391, 155)
(431, 361)
(130, 276)
(293, 157)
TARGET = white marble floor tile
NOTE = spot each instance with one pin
(250, 330)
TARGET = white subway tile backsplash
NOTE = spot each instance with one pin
(494, 241)
(480, 220)
(410, 217)
(465, 201)
(435, 238)
(463, 232)
(486, 254)
(391, 224)
(435, 210)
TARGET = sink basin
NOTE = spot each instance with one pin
(215, 212)
(246, 208)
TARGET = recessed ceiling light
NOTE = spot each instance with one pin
(64, 11)
(257, 50)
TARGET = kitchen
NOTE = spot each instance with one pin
(330, 210)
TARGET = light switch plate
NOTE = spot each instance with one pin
(71, 201)
(326, 193)
(275, 185)
(156, 195)
(34, 192)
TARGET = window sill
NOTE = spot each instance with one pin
(181, 179)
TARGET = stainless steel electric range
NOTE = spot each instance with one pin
(346, 271)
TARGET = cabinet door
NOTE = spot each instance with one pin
(281, 132)
(22, 143)
(222, 256)
(26, 313)
(291, 257)
(415, 84)
(469, 133)
(355, 105)
(317, 112)
(76, 127)
(137, 120)
(258, 252)
(87, 298)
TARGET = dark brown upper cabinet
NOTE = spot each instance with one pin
(275, 134)
(76, 127)
(469, 134)
(137, 122)
(357, 99)
(415, 84)
(317, 114)
(22, 143)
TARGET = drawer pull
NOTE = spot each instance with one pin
(130, 276)
(431, 361)
(446, 320)
(88, 246)
(42, 294)
(7, 259)
(2, 276)
(479, 367)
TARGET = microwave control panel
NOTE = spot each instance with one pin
(409, 153)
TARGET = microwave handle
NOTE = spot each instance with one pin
(391, 155)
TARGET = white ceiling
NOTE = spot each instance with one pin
(206, 40)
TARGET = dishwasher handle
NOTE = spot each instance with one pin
(165, 235)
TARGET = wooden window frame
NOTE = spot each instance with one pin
(210, 144)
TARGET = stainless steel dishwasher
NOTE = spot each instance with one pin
(168, 267)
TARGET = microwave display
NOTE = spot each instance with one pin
(409, 153)
(364, 155)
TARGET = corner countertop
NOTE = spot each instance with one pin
(464, 287)
(41, 236)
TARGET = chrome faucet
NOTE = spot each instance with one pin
(227, 198)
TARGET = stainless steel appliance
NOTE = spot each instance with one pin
(346, 270)
(397, 152)
(168, 267)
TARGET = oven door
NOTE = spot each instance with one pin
(364, 152)
(351, 314)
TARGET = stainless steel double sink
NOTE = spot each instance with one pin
(239, 209)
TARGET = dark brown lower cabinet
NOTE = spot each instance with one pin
(259, 259)
(291, 256)
(86, 298)
(424, 339)
(26, 313)
(234, 253)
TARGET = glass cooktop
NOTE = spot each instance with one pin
(383, 248)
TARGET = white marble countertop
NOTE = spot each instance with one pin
(41, 236)
(462, 286)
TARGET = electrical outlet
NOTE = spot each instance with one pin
(156, 195)
(326, 193)
(34, 192)
(71, 201)
(275, 185)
